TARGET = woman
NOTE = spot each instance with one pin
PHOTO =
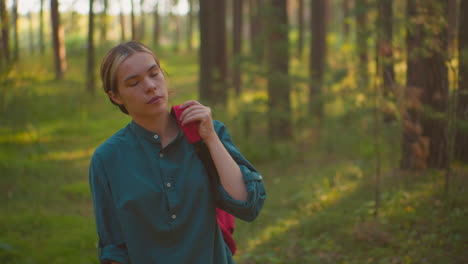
(151, 195)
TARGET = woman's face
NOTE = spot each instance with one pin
(141, 85)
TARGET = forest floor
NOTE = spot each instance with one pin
(321, 188)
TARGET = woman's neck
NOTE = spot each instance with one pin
(163, 125)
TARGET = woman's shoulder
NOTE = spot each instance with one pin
(113, 144)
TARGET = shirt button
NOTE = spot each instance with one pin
(168, 185)
(156, 136)
(173, 216)
(161, 155)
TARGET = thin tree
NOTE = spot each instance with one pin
(41, 28)
(14, 13)
(122, 22)
(133, 22)
(318, 49)
(278, 71)
(142, 26)
(300, 27)
(461, 139)
(58, 41)
(90, 75)
(156, 25)
(384, 44)
(237, 45)
(257, 34)
(31, 32)
(345, 5)
(5, 31)
(190, 24)
(361, 8)
(104, 20)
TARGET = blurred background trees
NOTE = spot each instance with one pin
(414, 62)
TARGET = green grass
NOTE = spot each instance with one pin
(320, 186)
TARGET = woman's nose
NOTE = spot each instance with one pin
(149, 84)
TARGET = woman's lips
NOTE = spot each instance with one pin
(154, 100)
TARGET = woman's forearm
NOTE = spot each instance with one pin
(229, 172)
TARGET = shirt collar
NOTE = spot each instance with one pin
(148, 135)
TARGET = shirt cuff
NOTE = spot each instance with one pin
(113, 253)
(249, 209)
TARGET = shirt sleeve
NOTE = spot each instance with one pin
(111, 245)
(253, 180)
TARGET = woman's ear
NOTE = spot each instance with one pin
(114, 97)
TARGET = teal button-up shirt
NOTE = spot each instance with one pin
(153, 205)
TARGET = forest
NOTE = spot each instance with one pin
(354, 111)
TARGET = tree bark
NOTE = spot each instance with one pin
(132, 21)
(345, 4)
(257, 34)
(237, 45)
(58, 41)
(318, 47)
(300, 28)
(190, 25)
(142, 27)
(461, 139)
(15, 30)
(31, 33)
(90, 75)
(5, 31)
(361, 42)
(425, 126)
(105, 21)
(156, 26)
(278, 71)
(122, 22)
(213, 66)
(384, 44)
(41, 28)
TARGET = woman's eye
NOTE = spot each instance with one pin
(154, 74)
(132, 84)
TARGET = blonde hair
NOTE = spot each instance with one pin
(113, 59)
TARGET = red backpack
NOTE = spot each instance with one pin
(225, 220)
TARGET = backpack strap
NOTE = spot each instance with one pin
(224, 219)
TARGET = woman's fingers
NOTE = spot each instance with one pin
(198, 114)
(189, 103)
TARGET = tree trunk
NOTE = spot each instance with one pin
(213, 67)
(58, 41)
(461, 140)
(133, 22)
(452, 24)
(257, 35)
(31, 33)
(156, 26)
(190, 25)
(142, 27)
(122, 23)
(105, 21)
(236, 50)
(384, 44)
(90, 75)
(300, 28)
(41, 28)
(15, 30)
(318, 49)
(5, 31)
(361, 42)
(278, 71)
(346, 6)
(424, 123)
